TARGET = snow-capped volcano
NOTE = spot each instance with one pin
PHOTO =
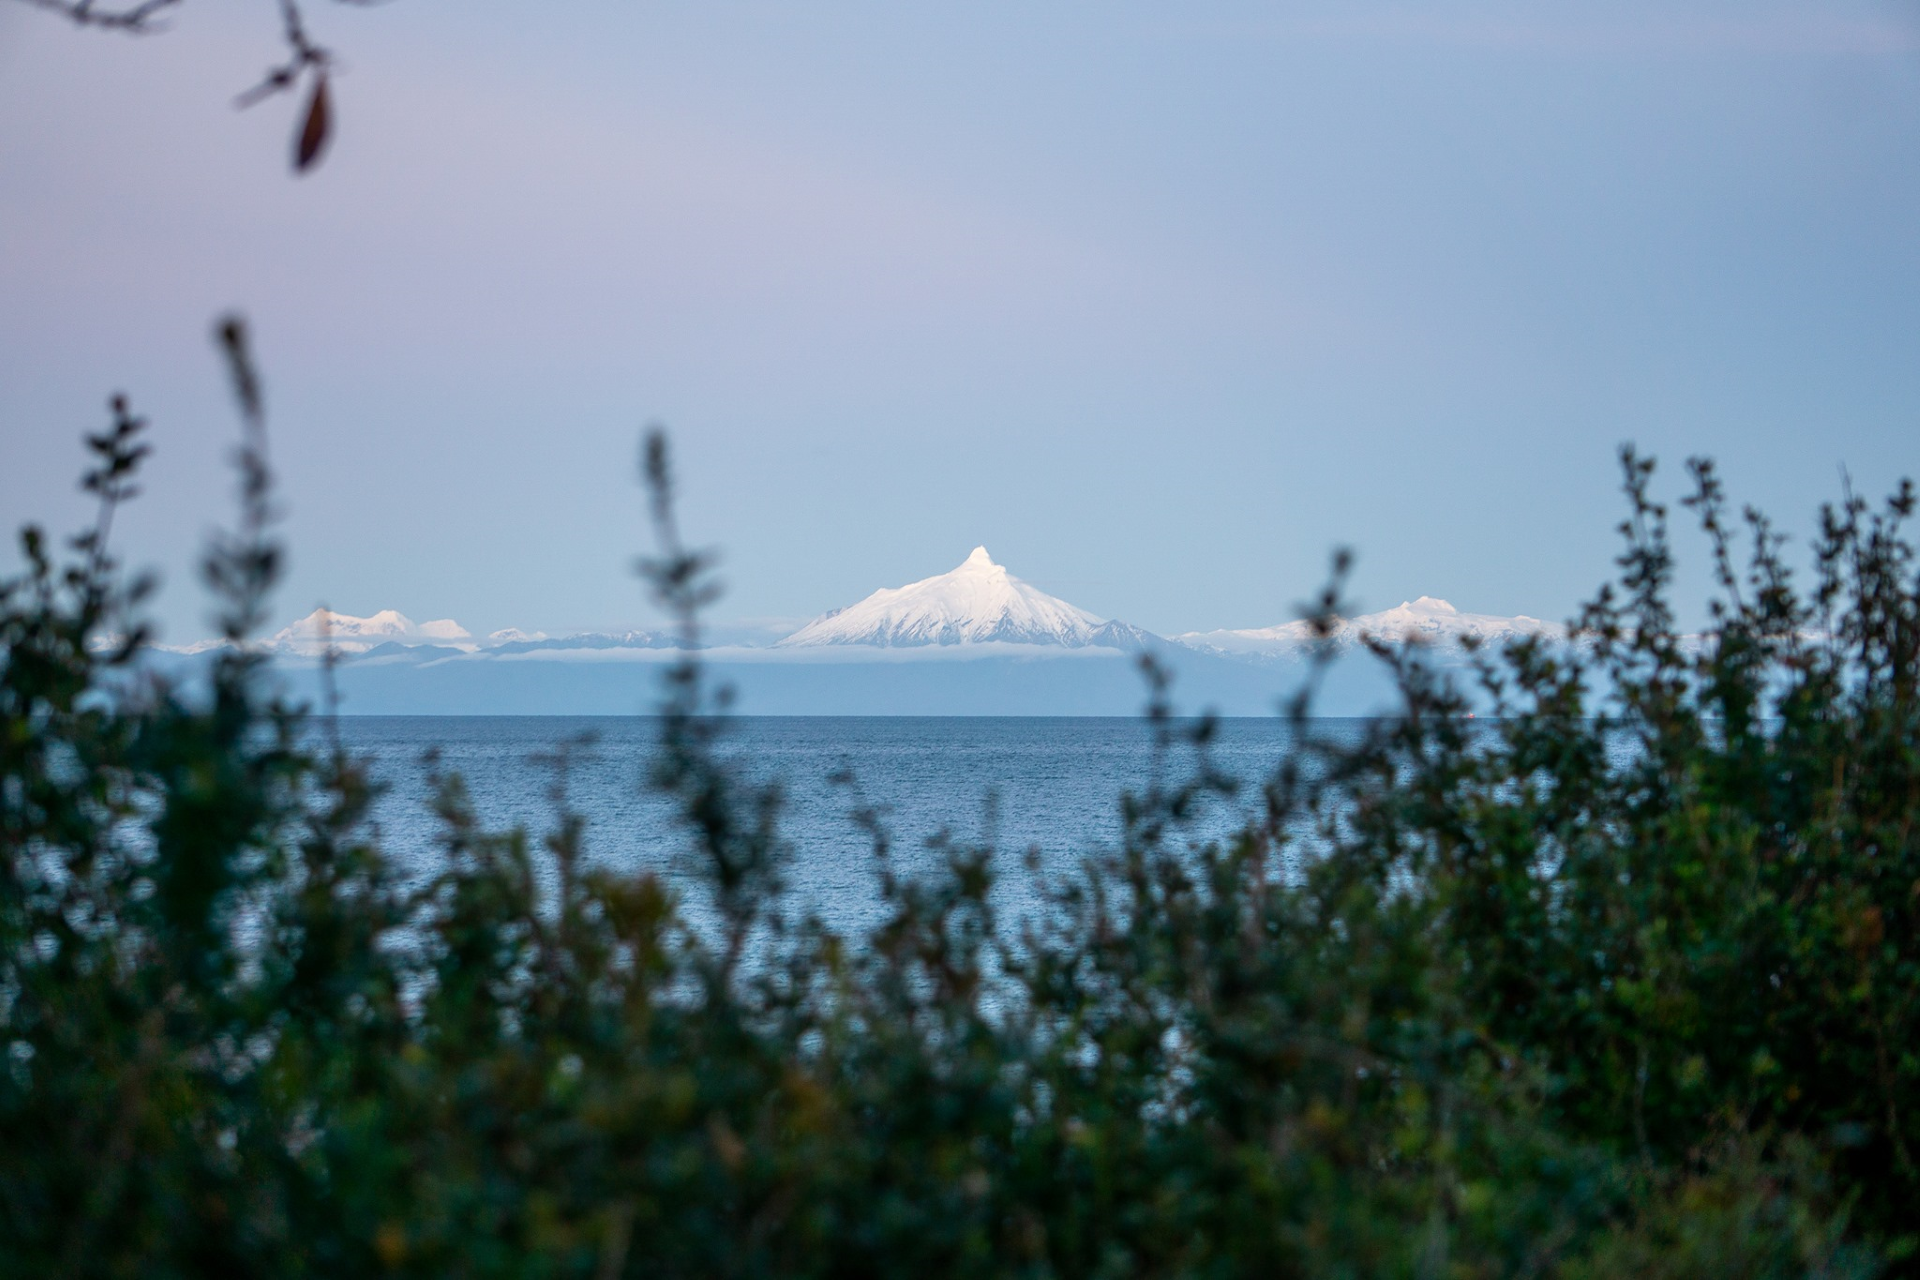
(349, 634)
(977, 603)
(1428, 620)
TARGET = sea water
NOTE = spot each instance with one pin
(1040, 792)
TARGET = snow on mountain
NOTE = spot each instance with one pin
(977, 603)
(321, 628)
(1427, 620)
(390, 634)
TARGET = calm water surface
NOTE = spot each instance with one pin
(1016, 783)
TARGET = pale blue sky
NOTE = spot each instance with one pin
(1157, 302)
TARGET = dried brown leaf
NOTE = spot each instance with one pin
(318, 126)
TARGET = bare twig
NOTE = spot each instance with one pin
(302, 54)
(305, 59)
(135, 18)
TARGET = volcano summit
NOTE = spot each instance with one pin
(977, 603)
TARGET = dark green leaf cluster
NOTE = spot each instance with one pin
(1619, 980)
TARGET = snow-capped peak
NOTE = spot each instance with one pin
(1428, 619)
(349, 634)
(974, 603)
(514, 635)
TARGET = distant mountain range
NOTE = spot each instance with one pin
(1427, 620)
(977, 603)
(322, 628)
(973, 639)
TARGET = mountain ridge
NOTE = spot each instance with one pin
(976, 607)
(1427, 620)
(977, 602)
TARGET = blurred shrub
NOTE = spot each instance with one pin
(1618, 980)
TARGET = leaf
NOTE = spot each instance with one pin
(314, 133)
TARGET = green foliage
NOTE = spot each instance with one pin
(1620, 979)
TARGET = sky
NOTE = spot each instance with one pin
(1159, 303)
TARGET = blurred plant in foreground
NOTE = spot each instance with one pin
(1620, 980)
